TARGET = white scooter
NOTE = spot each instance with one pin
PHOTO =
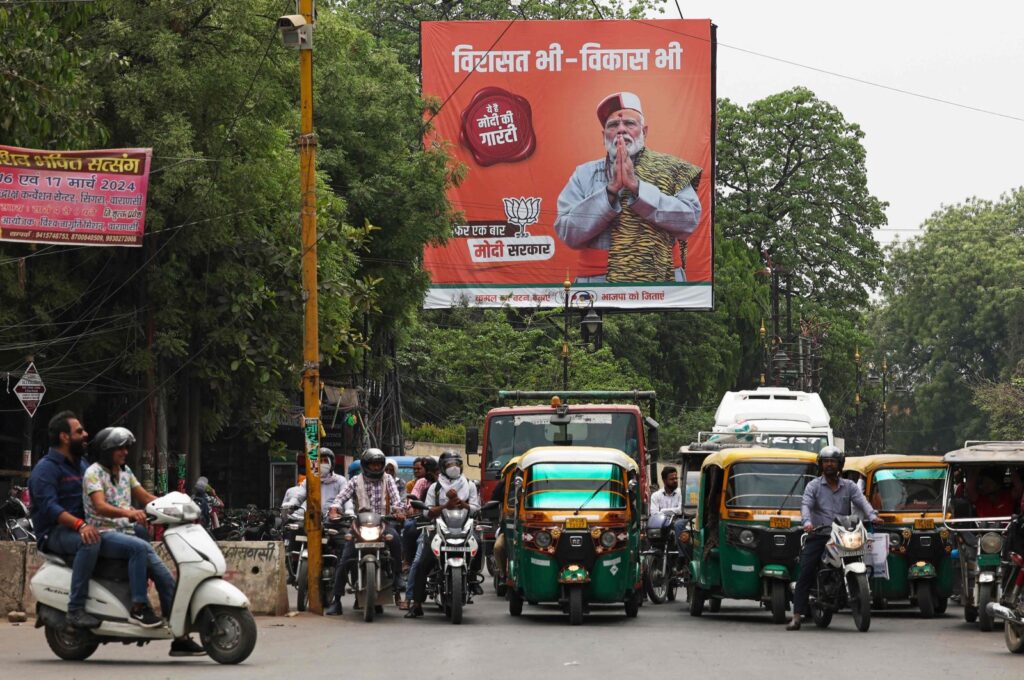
(203, 602)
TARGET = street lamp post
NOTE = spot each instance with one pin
(590, 325)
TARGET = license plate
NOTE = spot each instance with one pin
(300, 539)
(924, 523)
(369, 546)
(456, 548)
(779, 522)
(576, 523)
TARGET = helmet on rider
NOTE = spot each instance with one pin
(834, 453)
(326, 462)
(372, 463)
(450, 463)
(108, 440)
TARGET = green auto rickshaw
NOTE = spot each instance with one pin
(746, 538)
(907, 493)
(575, 540)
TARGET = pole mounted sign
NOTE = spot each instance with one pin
(30, 390)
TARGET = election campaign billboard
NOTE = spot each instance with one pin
(589, 150)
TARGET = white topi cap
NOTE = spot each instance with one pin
(615, 102)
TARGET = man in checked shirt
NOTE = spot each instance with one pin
(374, 491)
(825, 498)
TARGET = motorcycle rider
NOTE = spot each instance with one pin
(825, 498)
(670, 499)
(451, 491)
(373, 491)
(331, 485)
(58, 514)
(412, 537)
(109, 487)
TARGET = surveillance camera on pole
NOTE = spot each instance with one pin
(295, 32)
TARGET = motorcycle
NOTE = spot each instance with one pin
(373, 580)
(16, 523)
(203, 602)
(453, 540)
(259, 525)
(664, 566)
(330, 553)
(1010, 607)
(843, 576)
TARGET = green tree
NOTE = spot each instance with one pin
(954, 317)
(792, 185)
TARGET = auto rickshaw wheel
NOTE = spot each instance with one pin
(575, 605)
(1014, 636)
(926, 598)
(696, 595)
(633, 603)
(515, 602)
(779, 601)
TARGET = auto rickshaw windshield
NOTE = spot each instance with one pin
(595, 486)
(908, 489)
(768, 485)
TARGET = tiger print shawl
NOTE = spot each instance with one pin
(640, 252)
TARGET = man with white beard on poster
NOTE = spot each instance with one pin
(635, 203)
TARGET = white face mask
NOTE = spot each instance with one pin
(452, 472)
(325, 469)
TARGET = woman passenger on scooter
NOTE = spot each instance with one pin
(109, 487)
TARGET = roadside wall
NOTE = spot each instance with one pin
(254, 567)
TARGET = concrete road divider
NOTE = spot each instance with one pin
(255, 567)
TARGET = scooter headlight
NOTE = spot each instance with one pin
(852, 541)
(369, 533)
(991, 543)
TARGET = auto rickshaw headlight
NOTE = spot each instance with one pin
(542, 539)
(608, 539)
(747, 537)
(991, 543)
(895, 540)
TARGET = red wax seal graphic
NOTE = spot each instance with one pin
(497, 127)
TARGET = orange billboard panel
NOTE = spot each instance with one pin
(589, 147)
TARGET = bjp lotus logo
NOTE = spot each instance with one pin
(522, 212)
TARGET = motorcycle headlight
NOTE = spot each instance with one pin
(369, 533)
(542, 539)
(608, 539)
(747, 537)
(852, 541)
(991, 543)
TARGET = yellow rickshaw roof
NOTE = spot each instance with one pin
(576, 454)
(730, 457)
(868, 464)
(510, 464)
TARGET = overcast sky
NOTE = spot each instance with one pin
(921, 154)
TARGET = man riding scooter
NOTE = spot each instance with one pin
(373, 491)
(825, 498)
(58, 513)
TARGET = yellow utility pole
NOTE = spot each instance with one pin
(311, 340)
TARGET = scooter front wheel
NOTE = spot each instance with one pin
(230, 634)
(71, 644)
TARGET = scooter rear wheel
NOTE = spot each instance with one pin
(71, 644)
(822, 617)
(230, 635)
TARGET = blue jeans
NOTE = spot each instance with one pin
(141, 558)
(64, 541)
(411, 582)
